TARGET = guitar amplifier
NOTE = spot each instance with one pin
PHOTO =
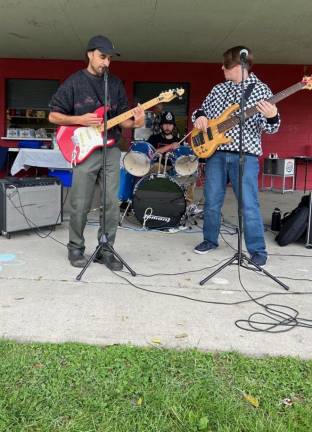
(29, 203)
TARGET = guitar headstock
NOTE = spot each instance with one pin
(307, 81)
(167, 96)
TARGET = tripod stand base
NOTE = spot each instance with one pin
(107, 247)
(240, 258)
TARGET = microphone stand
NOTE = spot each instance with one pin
(239, 257)
(104, 244)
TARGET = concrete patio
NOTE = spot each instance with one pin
(42, 301)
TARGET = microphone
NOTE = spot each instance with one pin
(243, 54)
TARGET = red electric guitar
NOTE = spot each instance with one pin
(78, 142)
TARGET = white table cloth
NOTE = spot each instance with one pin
(39, 158)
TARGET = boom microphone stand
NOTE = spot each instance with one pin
(104, 244)
(239, 257)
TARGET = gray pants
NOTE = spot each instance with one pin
(85, 176)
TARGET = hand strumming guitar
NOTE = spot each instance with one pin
(201, 123)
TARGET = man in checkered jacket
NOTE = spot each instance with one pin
(224, 163)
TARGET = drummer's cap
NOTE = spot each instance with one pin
(103, 44)
(167, 117)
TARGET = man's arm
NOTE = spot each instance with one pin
(122, 106)
(270, 120)
(168, 147)
(89, 119)
(201, 115)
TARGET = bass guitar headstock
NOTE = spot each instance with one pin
(307, 81)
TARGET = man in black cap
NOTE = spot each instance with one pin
(74, 103)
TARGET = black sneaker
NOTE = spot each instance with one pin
(77, 258)
(204, 247)
(259, 259)
(109, 260)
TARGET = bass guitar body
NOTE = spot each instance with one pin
(204, 144)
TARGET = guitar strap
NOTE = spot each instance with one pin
(100, 97)
(249, 90)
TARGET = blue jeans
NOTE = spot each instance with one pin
(221, 166)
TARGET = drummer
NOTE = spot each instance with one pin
(167, 141)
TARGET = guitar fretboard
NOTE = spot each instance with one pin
(233, 121)
(128, 114)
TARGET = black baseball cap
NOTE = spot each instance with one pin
(167, 117)
(103, 44)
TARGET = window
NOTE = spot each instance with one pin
(27, 109)
(144, 91)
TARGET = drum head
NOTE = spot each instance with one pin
(186, 165)
(137, 164)
(158, 202)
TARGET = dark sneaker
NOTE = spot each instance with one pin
(204, 247)
(109, 260)
(259, 259)
(77, 258)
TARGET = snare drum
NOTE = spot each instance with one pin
(184, 162)
(158, 202)
(138, 159)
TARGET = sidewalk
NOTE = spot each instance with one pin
(42, 301)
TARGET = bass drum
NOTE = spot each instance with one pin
(158, 202)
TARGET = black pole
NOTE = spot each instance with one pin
(103, 242)
(239, 256)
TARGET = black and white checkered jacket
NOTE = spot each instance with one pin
(228, 93)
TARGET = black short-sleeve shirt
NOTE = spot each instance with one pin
(83, 93)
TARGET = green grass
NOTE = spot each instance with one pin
(74, 387)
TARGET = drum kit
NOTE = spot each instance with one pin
(158, 199)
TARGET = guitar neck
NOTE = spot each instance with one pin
(128, 114)
(233, 121)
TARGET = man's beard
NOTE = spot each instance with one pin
(166, 132)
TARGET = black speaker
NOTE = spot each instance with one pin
(28, 203)
(280, 167)
(309, 229)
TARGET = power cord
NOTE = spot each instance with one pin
(276, 318)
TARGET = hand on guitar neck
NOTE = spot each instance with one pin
(267, 109)
(139, 118)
